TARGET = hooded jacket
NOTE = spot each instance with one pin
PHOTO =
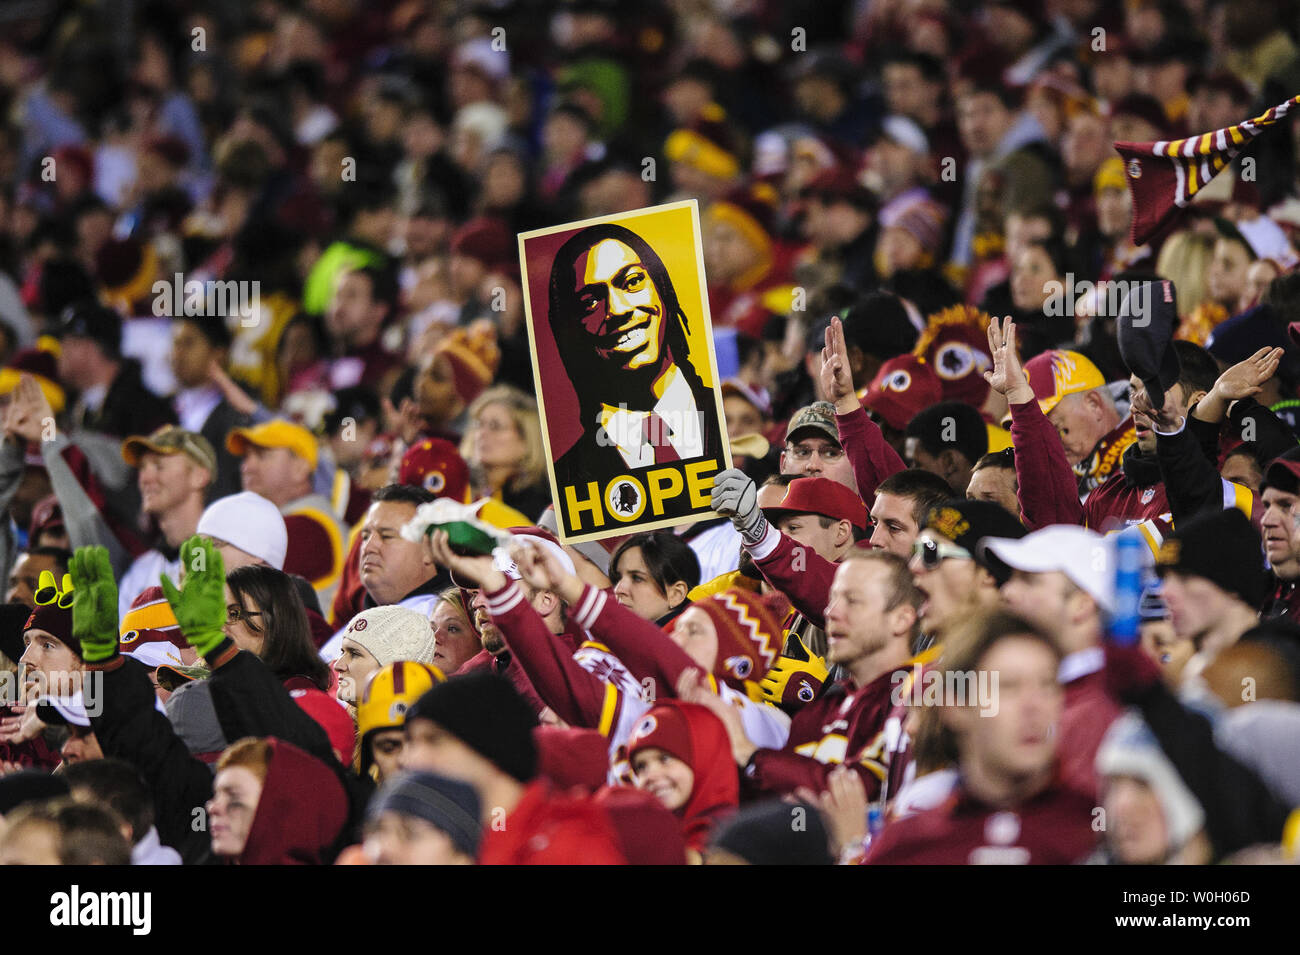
(302, 814)
(693, 734)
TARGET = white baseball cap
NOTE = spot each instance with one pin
(251, 523)
(1084, 556)
(530, 536)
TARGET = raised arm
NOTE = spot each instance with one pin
(1048, 491)
(870, 454)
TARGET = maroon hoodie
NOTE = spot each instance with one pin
(301, 814)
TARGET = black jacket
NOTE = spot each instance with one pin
(250, 701)
(129, 407)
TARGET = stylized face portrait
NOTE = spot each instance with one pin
(620, 307)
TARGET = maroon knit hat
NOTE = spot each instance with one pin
(749, 636)
(57, 622)
(486, 240)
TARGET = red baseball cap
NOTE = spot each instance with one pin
(436, 465)
(903, 387)
(822, 496)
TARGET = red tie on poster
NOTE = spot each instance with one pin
(655, 431)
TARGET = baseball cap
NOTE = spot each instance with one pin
(170, 439)
(819, 415)
(436, 465)
(1145, 328)
(149, 631)
(822, 496)
(43, 367)
(903, 387)
(966, 523)
(63, 710)
(170, 676)
(756, 395)
(251, 523)
(89, 319)
(277, 433)
(1055, 374)
(1084, 556)
(906, 132)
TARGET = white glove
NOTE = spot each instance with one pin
(736, 496)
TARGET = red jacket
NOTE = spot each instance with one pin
(1051, 828)
(799, 572)
(545, 828)
(1089, 711)
(872, 457)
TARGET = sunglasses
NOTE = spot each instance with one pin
(932, 552)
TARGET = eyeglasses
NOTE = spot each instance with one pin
(802, 452)
(932, 552)
(235, 613)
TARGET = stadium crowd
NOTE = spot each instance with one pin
(260, 306)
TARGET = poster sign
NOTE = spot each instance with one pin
(623, 359)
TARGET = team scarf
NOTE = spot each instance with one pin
(1165, 176)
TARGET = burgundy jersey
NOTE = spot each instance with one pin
(1051, 828)
(843, 726)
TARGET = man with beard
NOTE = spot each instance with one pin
(621, 333)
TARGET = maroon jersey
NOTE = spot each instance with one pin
(844, 726)
(1051, 828)
(1089, 710)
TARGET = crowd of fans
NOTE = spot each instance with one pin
(260, 303)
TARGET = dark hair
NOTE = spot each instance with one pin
(970, 435)
(778, 480)
(383, 285)
(288, 649)
(1197, 369)
(1054, 248)
(87, 834)
(931, 67)
(403, 494)
(118, 785)
(562, 305)
(59, 555)
(878, 325)
(965, 650)
(212, 329)
(358, 402)
(1005, 459)
(925, 490)
(403, 386)
(315, 328)
(1055, 221)
(666, 556)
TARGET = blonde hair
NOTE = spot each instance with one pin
(1185, 261)
(531, 469)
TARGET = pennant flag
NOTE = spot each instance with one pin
(1166, 176)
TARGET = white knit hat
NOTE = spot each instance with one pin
(392, 633)
(1131, 749)
(251, 523)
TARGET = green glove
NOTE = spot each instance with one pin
(94, 604)
(200, 604)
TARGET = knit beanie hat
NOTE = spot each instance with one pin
(921, 219)
(762, 834)
(251, 523)
(57, 622)
(1223, 548)
(749, 636)
(446, 804)
(474, 356)
(1131, 749)
(487, 714)
(392, 633)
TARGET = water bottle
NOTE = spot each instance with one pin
(1128, 587)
